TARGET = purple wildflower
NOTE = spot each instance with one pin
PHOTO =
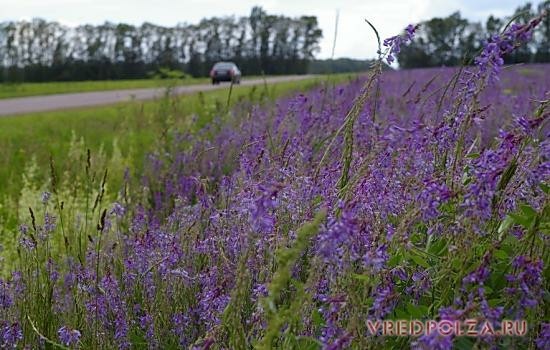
(68, 336)
(342, 342)
(421, 283)
(10, 335)
(377, 259)
(433, 195)
(45, 197)
(394, 43)
(6, 299)
(499, 45)
(182, 325)
(49, 223)
(261, 211)
(433, 341)
(331, 332)
(524, 286)
(146, 323)
(118, 210)
(385, 299)
(543, 340)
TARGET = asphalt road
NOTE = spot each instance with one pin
(23, 105)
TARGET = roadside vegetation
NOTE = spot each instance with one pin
(286, 221)
(12, 90)
(120, 135)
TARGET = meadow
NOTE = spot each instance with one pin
(289, 223)
(118, 136)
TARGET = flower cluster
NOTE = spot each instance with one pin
(68, 336)
(491, 58)
(393, 44)
(525, 284)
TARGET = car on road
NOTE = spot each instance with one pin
(225, 71)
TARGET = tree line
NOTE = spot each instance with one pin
(39, 50)
(338, 65)
(454, 40)
(259, 43)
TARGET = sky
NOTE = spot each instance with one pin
(355, 39)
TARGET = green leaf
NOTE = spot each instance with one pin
(447, 207)
(438, 247)
(497, 280)
(419, 261)
(416, 238)
(402, 314)
(545, 188)
(417, 311)
(360, 277)
(505, 224)
(456, 264)
(394, 260)
(520, 220)
(507, 175)
(501, 254)
(317, 318)
(528, 211)
(464, 343)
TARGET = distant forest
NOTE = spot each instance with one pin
(338, 65)
(38, 50)
(260, 43)
(453, 40)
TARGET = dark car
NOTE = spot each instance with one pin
(225, 71)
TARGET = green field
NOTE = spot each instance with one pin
(118, 136)
(11, 90)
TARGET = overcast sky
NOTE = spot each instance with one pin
(354, 39)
